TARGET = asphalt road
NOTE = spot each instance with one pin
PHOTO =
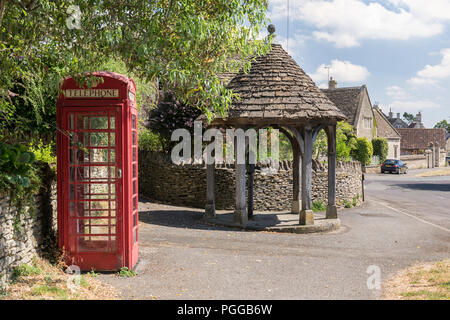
(427, 198)
(405, 221)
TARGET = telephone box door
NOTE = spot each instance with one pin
(94, 225)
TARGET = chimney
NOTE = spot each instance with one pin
(419, 117)
(391, 115)
(332, 84)
(398, 115)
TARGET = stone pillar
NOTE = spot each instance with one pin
(306, 214)
(331, 208)
(297, 178)
(437, 155)
(210, 209)
(433, 155)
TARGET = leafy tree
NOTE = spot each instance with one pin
(345, 142)
(409, 118)
(363, 151)
(380, 148)
(181, 45)
(171, 114)
(443, 124)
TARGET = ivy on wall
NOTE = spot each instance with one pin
(18, 178)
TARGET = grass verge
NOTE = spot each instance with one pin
(429, 281)
(44, 281)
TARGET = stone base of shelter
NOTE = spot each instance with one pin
(275, 222)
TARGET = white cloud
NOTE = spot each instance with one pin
(432, 74)
(425, 9)
(412, 106)
(342, 71)
(396, 93)
(295, 44)
(346, 22)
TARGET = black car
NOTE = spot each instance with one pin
(394, 166)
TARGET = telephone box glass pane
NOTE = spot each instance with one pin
(93, 185)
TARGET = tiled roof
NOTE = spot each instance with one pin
(384, 127)
(414, 139)
(277, 90)
(347, 100)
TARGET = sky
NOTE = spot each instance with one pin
(400, 49)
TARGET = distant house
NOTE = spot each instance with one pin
(385, 129)
(355, 103)
(416, 141)
(396, 122)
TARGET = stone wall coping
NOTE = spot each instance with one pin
(285, 165)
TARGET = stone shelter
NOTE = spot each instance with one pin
(277, 93)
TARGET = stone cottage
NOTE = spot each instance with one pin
(354, 102)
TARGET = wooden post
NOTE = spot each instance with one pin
(210, 210)
(331, 208)
(251, 178)
(297, 178)
(306, 214)
(240, 212)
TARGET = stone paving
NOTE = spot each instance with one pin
(277, 222)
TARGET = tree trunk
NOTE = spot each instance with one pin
(2, 10)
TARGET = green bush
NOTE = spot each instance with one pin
(44, 153)
(150, 141)
(318, 206)
(380, 148)
(363, 151)
(25, 270)
(18, 177)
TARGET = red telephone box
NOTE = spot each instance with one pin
(97, 173)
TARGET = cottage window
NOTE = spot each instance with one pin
(367, 123)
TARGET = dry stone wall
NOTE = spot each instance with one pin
(21, 240)
(185, 185)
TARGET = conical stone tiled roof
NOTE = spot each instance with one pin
(277, 91)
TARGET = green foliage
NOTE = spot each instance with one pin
(355, 200)
(25, 270)
(125, 272)
(345, 142)
(380, 148)
(321, 144)
(62, 294)
(285, 146)
(92, 273)
(18, 177)
(363, 151)
(179, 45)
(44, 152)
(409, 118)
(443, 124)
(318, 206)
(151, 141)
(347, 204)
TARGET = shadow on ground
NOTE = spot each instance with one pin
(425, 186)
(193, 218)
